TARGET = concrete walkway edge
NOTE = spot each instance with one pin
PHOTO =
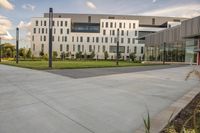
(159, 121)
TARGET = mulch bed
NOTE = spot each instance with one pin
(185, 114)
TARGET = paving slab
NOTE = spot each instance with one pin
(104, 104)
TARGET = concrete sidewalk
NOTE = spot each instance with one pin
(39, 102)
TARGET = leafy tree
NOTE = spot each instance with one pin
(28, 54)
(78, 55)
(22, 52)
(92, 55)
(41, 53)
(8, 52)
(132, 56)
(62, 55)
(55, 55)
(106, 55)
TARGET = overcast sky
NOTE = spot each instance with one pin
(15, 13)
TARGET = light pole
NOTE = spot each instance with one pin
(50, 36)
(17, 45)
(164, 52)
(117, 58)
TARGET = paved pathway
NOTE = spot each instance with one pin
(93, 72)
(40, 102)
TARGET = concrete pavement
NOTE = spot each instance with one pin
(35, 101)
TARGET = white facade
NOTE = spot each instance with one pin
(69, 41)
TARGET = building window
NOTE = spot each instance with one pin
(128, 49)
(40, 38)
(82, 48)
(39, 31)
(122, 40)
(67, 47)
(90, 48)
(113, 32)
(61, 47)
(42, 48)
(106, 39)
(97, 39)
(61, 23)
(53, 23)
(98, 48)
(111, 40)
(65, 38)
(133, 41)
(153, 21)
(93, 39)
(104, 32)
(34, 30)
(57, 23)
(54, 30)
(102, 24)
(129, 25)
(33, 47)
(61, 31)
(53, 38)
(142, 50)
(136, 33)
(102, 39)
(79, 48)
(124, 25)
(41, 23)
(72, 39)
(88, 39)
(93, 47)
(32, 38)
(135, 49)
(58, 38)
(45, 23)
(129, 40)
(81, 39)
(74, 48)
(36, 23)
(46, 31)
(111, 25)
(44, 38)
(120, 25)
(89, 19)
(133, 25)
(104, 48)
(67, 31)
(122, 32)
(65, 23)
(106, 24)
(127, 33)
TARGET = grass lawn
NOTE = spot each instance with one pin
(70, 64)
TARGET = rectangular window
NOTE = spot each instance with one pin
(36, 23)
(44, 38)
(124, 25)
(54, 30)
(45, 23)
(133, 25)
(67, 47)
(98, 48)
(41, 23)
(65, 38)
(153, 21)
(74, 48)
(113, 32)
(111, 25)
(88, 39)
(106, 39)
(32, 38)
(93, 39)
(127, 33)
(72, 39)
(34, 30)
(77, 39)
(104, 32)
(61, 47)
(104, 48)
(135, 49)
(142, 50)
(83, 48)
(67, 31)
(53, 23)
(120, 25)
(52, 38)
(133, 41)
(39, 31)
(136, 33)
(89, 19)
(122, 32)
(106, 24)
(102, 39)
(61, 31)
(33, 47)
(97, 39)
(122, 40)
(40, 38)
(79, 48)
(42, 48)
(61, 23)
(129, 25)
(42, 30)
(65, 23)
(57, 23)
(81, 39)
(90, 48)
(127, 49)
(129, 40)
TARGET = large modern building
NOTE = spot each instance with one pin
(177, 44)
(87, 33)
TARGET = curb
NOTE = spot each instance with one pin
(159, 121)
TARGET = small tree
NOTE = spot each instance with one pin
(78, 55)
(92, 55)
(28, 54)
(41, 53)
(62, 55)
(132, 56)
(55, 55)
(22, 52)
(106, 55)
(8, 52)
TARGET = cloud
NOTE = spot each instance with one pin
(24, 25)
(28, 7)
(188, 11)
(5, 24)
(6, 4)
(154, 1)
(90, 5)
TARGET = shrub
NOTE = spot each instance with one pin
(132, 56)
(106, 55)
(55, 55)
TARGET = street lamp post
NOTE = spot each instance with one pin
(117, 58)
(164, 52)
(17, 45)
(50, 36)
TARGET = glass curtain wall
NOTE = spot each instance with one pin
(190, 55)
